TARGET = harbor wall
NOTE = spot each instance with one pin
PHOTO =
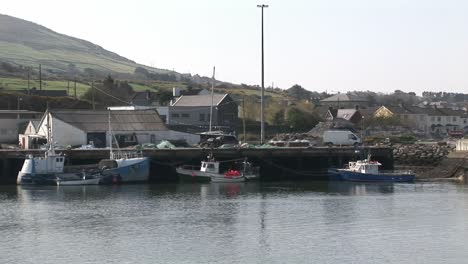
(275, 163)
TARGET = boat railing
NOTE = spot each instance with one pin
(126, 155)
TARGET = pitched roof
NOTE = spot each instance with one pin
(199, 100)
(143, 95)
(121, 120)
(346, 114)
(344, 98)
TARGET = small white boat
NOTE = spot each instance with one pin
(90, 180)
(211, 170)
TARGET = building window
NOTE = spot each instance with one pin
(202, 117)
(432, 118)
(464, 121)
(175, 115)
(439, 118)
(185, 115)
(454, 119)
(447, 118)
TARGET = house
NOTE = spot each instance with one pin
(129, 127)
(143, 98)
(352, 115)
(28, 139)
(194, 110)
(431, 120)
(344, 101)
(11, 122)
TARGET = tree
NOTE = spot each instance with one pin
(296, 91)
(278, 118)
(299, 120)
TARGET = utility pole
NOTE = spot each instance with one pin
(92, 87)
(243, 117)
(211, 106)
(75, 86)
(262, 104)
(40, 77)
(29, 76)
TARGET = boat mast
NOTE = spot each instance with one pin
(111, 154)
(50, 136)
(211, 106)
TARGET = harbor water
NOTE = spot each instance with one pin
(301, 222)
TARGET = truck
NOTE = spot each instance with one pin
(340, 137)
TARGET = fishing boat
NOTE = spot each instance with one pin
(213, 170)
(121, 167)
(368, 171)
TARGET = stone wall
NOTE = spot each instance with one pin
(420, 154)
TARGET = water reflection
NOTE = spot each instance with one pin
(285, 222)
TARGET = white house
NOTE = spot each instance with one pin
(129, 127)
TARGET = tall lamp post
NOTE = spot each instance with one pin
(262, 105)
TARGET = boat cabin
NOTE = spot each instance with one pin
(49, 164)
(210, 166)
(364, 166)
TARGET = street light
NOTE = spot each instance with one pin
(262, 105)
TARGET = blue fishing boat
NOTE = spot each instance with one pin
(368, 171)
(121, 167)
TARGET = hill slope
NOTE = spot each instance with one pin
(26, 43)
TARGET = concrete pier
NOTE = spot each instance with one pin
(275, 163)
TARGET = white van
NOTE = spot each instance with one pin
(340, 137)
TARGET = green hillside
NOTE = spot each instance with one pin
(26, 43)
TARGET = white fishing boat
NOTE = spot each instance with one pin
(220, 171)
(121, 167)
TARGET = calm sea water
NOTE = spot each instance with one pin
(305, 222)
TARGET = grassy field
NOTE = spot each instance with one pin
(81, 88)
(16, 83)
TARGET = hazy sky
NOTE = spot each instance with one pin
(333, 45)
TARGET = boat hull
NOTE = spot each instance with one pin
(78, 182)
(128, 171)
(197, 175)
(367, 177)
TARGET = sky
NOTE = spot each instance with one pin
(322, 45)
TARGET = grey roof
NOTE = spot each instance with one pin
(346, 114)
(344, 98)
(199, 100)
(430, 111)
(35, 123)
(122, 120)
(368, 111)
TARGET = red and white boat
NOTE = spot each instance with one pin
(220, 171)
